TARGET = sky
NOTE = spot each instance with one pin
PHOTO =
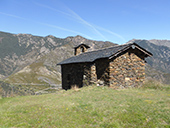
(117, 21)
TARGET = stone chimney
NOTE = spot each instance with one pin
(80, 49)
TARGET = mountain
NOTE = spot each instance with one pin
(27, 59)
(160, 42)
(20, 50)
(28, 62)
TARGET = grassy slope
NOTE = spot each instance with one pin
(89, 107)
(44, 68)
(36, 71)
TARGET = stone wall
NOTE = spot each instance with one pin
(76, 75)
(93, 75)
(102, 71)
(127, 70)
(87, 74)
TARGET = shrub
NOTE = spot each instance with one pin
(150, 84)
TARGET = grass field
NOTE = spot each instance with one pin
(90, 107)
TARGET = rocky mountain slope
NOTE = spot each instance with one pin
(161, 42)
(20, 50)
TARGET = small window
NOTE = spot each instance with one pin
(133, 46)
(82, 49)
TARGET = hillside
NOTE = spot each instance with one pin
(90, 107)
(28, 59)
(20, 50)
(161, 42)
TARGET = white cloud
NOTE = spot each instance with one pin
(94, 28)
(74, 15)
(79, 19)
(45, 24)
(61, 28)
(113, 33)
(11, 15)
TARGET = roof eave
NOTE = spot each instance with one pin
(119, 52)
(75, 62)
(144, 51)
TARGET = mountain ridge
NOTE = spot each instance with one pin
(43, 52)
(28, 59)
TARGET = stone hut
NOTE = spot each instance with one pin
(119, 66)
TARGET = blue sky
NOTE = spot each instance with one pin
(117, 21)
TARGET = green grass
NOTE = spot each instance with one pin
(89, 107)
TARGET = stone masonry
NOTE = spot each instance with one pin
(121, 70)
(127, 70)
(76, 75)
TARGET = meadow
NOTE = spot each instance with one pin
(148, 106)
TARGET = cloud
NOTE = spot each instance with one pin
(12, 15)
(53, 9)
(74, 15)
(61, 28)
(94, 27)
(79, 19)
(113, 33)
(45, 24)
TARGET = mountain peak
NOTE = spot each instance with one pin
(50, 36)
(78, 36)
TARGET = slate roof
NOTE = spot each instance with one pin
(103, 53)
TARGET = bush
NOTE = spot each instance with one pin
(155, 85)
